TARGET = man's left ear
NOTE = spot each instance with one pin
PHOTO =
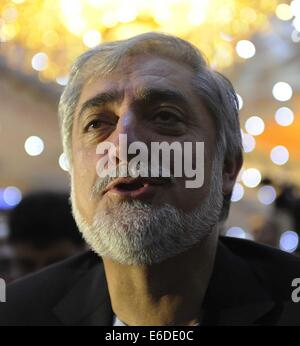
(231, 169)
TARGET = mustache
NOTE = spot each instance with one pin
(101, 183)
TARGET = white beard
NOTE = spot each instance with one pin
(136, 233)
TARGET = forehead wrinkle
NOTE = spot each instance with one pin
(133, 90)
(153, 94)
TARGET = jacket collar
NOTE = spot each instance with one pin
(87, 302)
(235, 295)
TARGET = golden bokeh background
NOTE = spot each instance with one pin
(63, 29)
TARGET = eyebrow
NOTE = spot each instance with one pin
(143, 96)
(101, 99)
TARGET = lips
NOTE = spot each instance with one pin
(134, 187)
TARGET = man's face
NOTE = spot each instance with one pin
(161, 120)
(162, 117)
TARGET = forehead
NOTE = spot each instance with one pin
(136, 73)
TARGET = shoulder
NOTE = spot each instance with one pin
(262, 254)
(35, 295)
(275, 268)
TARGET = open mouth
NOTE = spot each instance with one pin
(135, 187)
(130, 186)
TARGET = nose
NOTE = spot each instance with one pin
(128, 125)
(127, 131)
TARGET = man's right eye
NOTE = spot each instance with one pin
(92, 125)
(96, 124)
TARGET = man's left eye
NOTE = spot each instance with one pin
(166, 117)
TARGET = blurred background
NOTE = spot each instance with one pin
(256, 44)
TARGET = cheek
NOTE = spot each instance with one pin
(84, 176)
(190, 198)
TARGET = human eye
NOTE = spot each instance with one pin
(98, 123)
(93, 125)
(167, 116)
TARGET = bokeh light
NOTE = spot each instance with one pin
(279, 155)
(12, 196)
(295, 36)
(236, 232)
(34, 146)
(240, 100)
(266, 194)
(284, 12)
(296, 23)
(295, 8)
(126, 13)
(282, 91)
(245, 49)
(9, 197)
(289, 241)
(284, 116)
(251, 177)
(92, 38)
(237, 192)
(248, 142)
(62, 80)
(63, 162)
(254, 125)
(39, 61)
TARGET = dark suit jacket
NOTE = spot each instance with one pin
(250, 285)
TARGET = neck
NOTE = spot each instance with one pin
(167, 293)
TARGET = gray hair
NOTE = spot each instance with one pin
(215, 90)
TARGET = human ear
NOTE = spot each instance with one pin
(231, 169)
